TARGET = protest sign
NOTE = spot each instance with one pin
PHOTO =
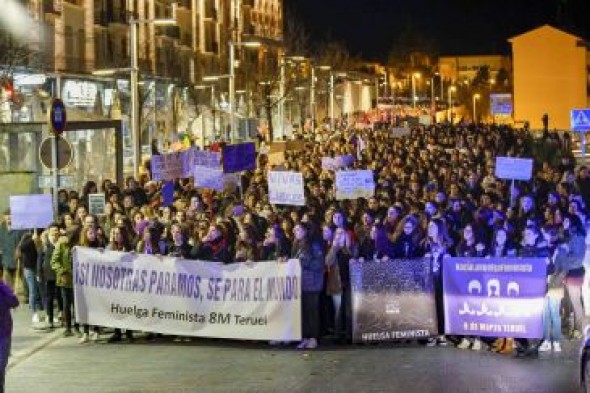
(333, 164)
(31, 211)
(514, 168)
(168, 193)
(214, 179)
(277, 158)
(96, 204)
(286, 188)
(174, 296)
(238, 158)
(209, 159)
(172, 166)
(496, 297)
(392, 300)
(354, 184)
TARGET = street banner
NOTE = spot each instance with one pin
(172, 166)
(495, 297)
(96, 204)
(209, 159)
(259, 301)
(286, 188)
(31, 211)
(392, 300)
(338, 162)
(354, 184)
(514, 168)
(214, 178)
(398, 132)
(238, 158)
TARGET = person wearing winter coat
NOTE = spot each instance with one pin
(8, 301)
(62, 265)
(310, 255)
(46, 275)
(9, 239)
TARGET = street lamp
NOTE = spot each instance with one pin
(232, 81)
(476, 98)
(452, 89)
(415, 75)
(282, 88)
(134, 76)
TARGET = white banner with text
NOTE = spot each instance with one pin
(258, 301)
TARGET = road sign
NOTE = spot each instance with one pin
(64, 153)
(580, 119)
(57, 116)
(48, 181)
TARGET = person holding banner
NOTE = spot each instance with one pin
(61, 263)
(89, 238)
(533, 245)
(120, 240)
(310, 255)
(437, 246)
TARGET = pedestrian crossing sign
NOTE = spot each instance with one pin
(580, 119)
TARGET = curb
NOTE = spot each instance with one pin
(24, 354)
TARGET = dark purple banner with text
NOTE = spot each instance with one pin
(495, 297)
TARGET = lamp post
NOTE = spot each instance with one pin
(452, 89)
(282, 89)
(134, 82)
(415, 75)
(232, 82)
(476, 98)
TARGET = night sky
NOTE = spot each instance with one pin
(370, 28)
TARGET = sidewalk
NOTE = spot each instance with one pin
(26, 340)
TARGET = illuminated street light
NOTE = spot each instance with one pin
(476, 98)
(415, 75)
(452, 89)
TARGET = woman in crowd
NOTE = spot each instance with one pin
(89, 238)
(310, 255)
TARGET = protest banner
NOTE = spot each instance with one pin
(338, 162)
(238, 158)
(214, 179)
(261, 301)
(31, 211)
(172, 166)
(511, 168)
(496, 297)
(392, 300)
(354, 184)
(209, 159)
(286, 188)
(96, 204)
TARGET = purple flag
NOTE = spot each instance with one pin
(495, 297)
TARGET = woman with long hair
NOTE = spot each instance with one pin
(311, 258)
(437, 246)
(89, 238)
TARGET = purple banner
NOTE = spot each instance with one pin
(238, 158)
(495, 297)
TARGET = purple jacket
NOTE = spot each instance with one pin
(7, 301)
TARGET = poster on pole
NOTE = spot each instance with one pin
(354, 184)
(286, 188)
(510, 168)
(261, 301)
(31, 211)
(96, 204)
(392, 300)
(496, 297)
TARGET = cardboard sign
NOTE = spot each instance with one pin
(96, 204)
(277, 158)
(286, 188)
(215, 179)
(31, 211)
(354, 184)
(208, 159)
(514, 168)
(239, 158)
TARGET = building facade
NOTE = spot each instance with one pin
(550, 76)
(465, 68)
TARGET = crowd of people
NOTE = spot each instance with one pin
(436, 196)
